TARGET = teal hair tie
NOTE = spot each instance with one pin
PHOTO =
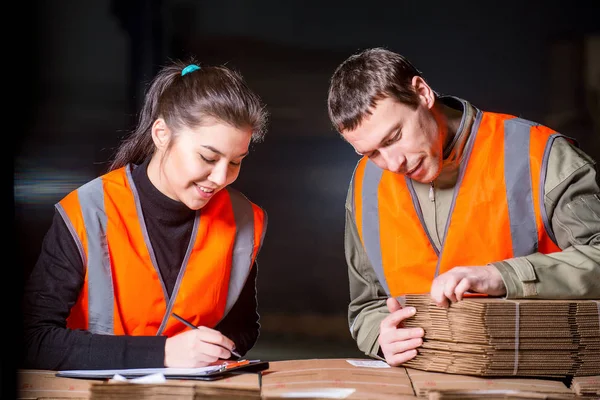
(189, 68)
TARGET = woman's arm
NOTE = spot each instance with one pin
(51, 290)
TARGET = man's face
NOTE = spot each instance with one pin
(400, 139)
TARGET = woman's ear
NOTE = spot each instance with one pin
(161, 134)
(424, 91)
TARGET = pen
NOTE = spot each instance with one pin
(190, 325)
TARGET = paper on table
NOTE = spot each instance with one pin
(369, 363)
(78, 373)
(214, 371)
(154, 378)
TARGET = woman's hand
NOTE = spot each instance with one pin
(197, 348)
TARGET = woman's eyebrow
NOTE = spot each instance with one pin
(214, 150)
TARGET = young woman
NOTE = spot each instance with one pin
(161, 233)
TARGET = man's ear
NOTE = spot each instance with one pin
(161, 134)
(424, 91)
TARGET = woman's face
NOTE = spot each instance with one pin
(200, 161)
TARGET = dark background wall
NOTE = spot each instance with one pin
(87, 63)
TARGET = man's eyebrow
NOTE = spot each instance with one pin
(383, 140)
(214, 150)
(389, 132)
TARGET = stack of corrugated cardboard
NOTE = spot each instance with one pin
(370, 379)
(335, 378)
(438, 385)
(242, 386)
(43, 384)
(316, 379)
(497, 337)
(587, 387)
(126, 390)
(495, 394)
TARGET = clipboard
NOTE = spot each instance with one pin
(215, 371)
(232, 368)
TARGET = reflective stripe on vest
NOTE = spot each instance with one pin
(88, 206)
(497, 211)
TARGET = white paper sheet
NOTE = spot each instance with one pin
(369, 363)
(94, 373)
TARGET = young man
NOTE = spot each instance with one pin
(448, 198)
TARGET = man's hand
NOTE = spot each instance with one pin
(450, 286)
(398, 344)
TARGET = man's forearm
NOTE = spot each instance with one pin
(364, 326)
(570, 274)
(367, 297)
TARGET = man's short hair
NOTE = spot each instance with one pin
(365, 78)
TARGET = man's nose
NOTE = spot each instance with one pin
(393, 162)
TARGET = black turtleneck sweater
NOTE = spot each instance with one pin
(57, 278)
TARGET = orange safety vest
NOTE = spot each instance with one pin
(497, 211)
(123, 292)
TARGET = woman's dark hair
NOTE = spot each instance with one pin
(189, 100)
